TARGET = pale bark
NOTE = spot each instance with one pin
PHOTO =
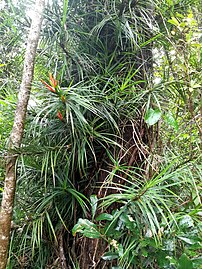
(17, 132)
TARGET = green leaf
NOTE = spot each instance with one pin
(170, 2)
(162, 259)
(109, 256)
(128, 221)
(186, 222)
(197, 262)
(150, 40)
(152, 116)
(174, 21)
(104, 216)
(171, 121)
(92, 233)
(172, 260)
(93, 202)
(188, 240)
(87, 228)
(65, 9)
(144, 252)
(185, 262)
(2, 102)
(120, 250)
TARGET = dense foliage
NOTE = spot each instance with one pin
(109, 173)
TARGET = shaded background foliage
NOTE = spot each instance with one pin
(113, 180)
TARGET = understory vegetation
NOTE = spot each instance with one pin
(109, 171)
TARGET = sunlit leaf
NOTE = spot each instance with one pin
(104, 216)
(152, 116)
(92, 233)
(174, 21)
(186, 222)
(197, 262)
(93, 202)
(170, 120)
(128, 221)
(188, 240)
(87, 228)
(109, 256)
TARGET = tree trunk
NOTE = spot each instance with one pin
(17, 133)
(136, 135)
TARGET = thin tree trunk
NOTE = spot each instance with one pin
(17, 133)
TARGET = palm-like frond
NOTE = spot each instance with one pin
(101, 53)
(145, 208)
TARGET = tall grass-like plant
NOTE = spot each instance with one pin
(103, 178)
(146, 228)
